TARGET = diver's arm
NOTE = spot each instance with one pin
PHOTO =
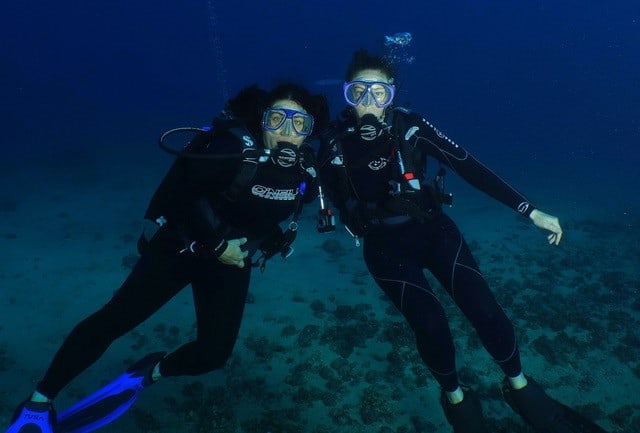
(332, 171)
(182, 198)
(337, 190)
(310, 167)
(434, 143)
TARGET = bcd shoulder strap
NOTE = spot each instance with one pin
(405, 125)
(251, 156)
(403, 151)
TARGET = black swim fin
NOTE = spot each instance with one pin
(110, 401)
(545, 414)
(579, 422)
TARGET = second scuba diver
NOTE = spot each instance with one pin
(373, 163)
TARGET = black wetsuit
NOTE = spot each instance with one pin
(195, 201)
(407, 232)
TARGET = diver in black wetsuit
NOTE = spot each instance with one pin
(211, 215)
(373, 164)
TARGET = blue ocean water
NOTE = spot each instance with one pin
(545, 93)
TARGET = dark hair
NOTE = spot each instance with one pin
(362, 60)
(251, 102)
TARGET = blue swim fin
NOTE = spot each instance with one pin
(109, 402)
(34, 417)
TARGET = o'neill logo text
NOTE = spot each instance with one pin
(273, 194)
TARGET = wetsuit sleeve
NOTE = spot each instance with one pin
(184, 196)
(310, 166)
(333, 178)
(432, 142)
(327, 172)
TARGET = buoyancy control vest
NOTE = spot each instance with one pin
(408, 183)
(251, 156)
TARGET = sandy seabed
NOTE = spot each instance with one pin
(320, 350)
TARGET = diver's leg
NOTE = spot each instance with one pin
(220, 293)
(154, 280)
(456, 269)
(468, 288)
(396, 262)
(396, 270)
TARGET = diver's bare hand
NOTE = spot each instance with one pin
(547, 222)
(233, 255)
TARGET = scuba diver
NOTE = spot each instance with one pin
(373, 163)
(220, 204)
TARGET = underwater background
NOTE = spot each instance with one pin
(545, 93)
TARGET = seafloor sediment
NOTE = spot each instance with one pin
(321, 350)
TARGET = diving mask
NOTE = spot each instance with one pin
(298, 121)
(368, 92)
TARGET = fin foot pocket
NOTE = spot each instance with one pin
(33, 417)
(466, 416)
